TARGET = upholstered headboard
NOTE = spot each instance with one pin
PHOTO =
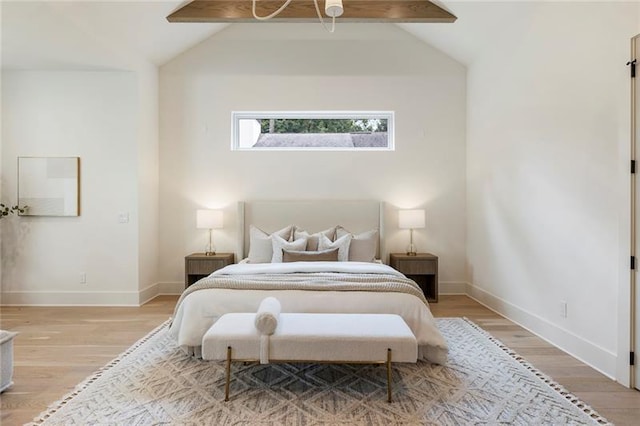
(311, 215)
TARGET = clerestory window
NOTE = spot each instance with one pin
(319, 130)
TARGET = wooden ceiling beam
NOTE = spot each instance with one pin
(393, 11)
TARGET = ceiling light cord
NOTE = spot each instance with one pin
(333, 20)
(287, 2)
(264, 18)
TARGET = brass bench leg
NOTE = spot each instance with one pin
(228, 375)
(389, 374)
(226, 385)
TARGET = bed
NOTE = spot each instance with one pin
(307, 287)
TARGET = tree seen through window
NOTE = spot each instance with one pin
(330, 130)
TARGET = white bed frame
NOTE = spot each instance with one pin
(310, 215)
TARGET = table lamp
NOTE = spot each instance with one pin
(209, 219)
(411, 219)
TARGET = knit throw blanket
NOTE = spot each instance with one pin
(329, 281)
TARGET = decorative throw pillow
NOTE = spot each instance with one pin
(260, 246)
(280, 244)
(312, 239)
(329, 255)
(363, 246)
(342, 244)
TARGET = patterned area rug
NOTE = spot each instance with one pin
(483, 382)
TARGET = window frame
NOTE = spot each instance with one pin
(236, 116)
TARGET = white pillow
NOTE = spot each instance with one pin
(341, 243)
(280, 244)
(363, 246)
(260, 246)
(312, 239)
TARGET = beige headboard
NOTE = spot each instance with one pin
(311, 215)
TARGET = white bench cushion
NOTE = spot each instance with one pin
(314, 337)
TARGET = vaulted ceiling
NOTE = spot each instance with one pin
(113, 34)
(93, 34)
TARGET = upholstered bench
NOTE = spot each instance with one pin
(6, 359)
(298, 337)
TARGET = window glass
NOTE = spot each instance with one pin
(313, 130)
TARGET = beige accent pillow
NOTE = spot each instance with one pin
(312, 239)
(260, 246)
(280, 244)
(341, 243)
(330, 255)
(363, 246)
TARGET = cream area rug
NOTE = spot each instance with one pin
(483, 383)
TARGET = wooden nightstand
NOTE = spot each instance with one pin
(422, 268)
(198, 265)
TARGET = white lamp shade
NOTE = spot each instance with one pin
(208, 219)
(411, 219)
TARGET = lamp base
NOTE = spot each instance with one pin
(412, 253)
(210, 250)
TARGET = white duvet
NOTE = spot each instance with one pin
(200, 309)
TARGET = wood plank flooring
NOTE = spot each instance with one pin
(58, 347)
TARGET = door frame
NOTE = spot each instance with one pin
(632, 288)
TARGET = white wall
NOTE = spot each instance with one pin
(148, 157)
(2, 199)
(80, 38)
(91, 115)
(262, 67)
(548, 121)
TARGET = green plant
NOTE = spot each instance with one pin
(7, 210)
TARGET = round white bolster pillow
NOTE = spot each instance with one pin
(267, 316)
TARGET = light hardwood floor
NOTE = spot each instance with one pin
(58, 347)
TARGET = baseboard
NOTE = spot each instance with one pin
(452, 287)
(148, 293)
(171, 288)
(89, 298)
(70, 298)
(588, 352)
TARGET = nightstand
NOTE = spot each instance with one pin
(199, 265)
(421, 268)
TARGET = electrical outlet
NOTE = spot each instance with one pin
(83, 278)
(123, 217)
(563, 309)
